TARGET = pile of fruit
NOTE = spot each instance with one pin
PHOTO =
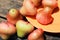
(41, 9)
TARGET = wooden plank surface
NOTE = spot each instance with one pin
(6, 5)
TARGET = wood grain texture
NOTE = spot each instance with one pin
(6, 5)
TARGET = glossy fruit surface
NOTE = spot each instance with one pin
(36, 35)
(7, 28)
(13, 13)
(31, 9)
(13, 21)
(50, 3)
(44, 18)
(23, 28)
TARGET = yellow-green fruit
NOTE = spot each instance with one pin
(23, 28)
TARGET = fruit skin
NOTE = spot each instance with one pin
(40, 9)
(13, 13)
(36, 2)
(13, 16)
(23, 28)
(44, 16)
(23, 11)
(50, 3)
(31, 9)
(7, 28)
(13, 21)
(36, 35)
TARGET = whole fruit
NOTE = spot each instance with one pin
(23, 28)
(44, 17)
(36, 35)
(7, 28)
(13, 16)
(13, 21)
(13, 13)
(31, 9)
